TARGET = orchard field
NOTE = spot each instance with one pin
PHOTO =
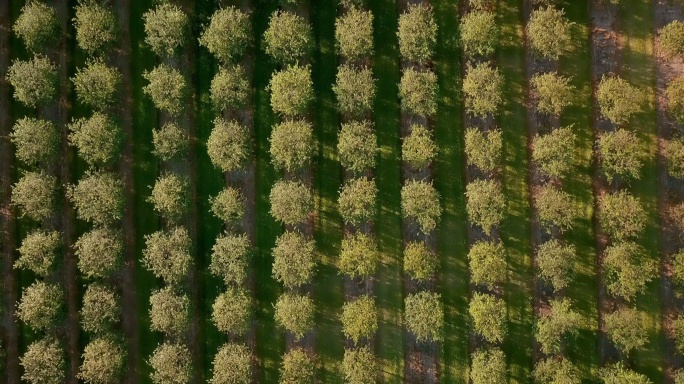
(342, 191)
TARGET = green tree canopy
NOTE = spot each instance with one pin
(418, 92)
(97, 84)
(553, 152)
(171, 363)
(38, 26)
(621, 154)
(357, 146)
(169, 312)
(550, 33)
(675, 158)
(359, 256)
(101, 309)
(34, 194)
(485, 204)
(418, 149)
(487, 262)
(231, 312)
(628, 268)
(618, 374)
(479, 33)
(99, 252)
(618, 99)
(232, 365)
(553, 92)
(483, 90)
(354, 34)
(291, 202)
(555, 261)
(41, 304)
(103, 361)
(621, 215)
(292, 144)
(297, 368)
(359, 366)
(166, 28)
(554, 370)
(293, 259)
(288, 37)
(555, 208)
(675, 99)
(358, 200)
(484, 149)
(38, 251)
(44, 362)
(488, 366)
(98, 139)
(554, 326)
(672, 38)
(230, 258)
(295, 313)
(230, 88)
(169, 141)
(228, 145)
(354, 90)
(419, 261)
(489, 316)
(420, 202)
(626, 329)
(170, 196)
(96, 26)
(228, 34)
(359, 318)
(98, 198)
(417, 33)
(34, 81)
(424, 316)
(167, 254)
(36, 140)
(678, 332)
(291, 91)
(228, 205)
(167, 89)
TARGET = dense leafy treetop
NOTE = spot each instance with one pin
(40, 305)
(103, 361)
(297, 368)
(554, 326)
(618, 99)
(485, 204)
(292, 144)
(479, 33)
(488, 366)
(489, 316)
(359, 318)
(618, 374)
(100, 252)
(672, 38)
(553, 152)
(171, 363)
(483, 149)
(167, 254)
(36, 140)
(555, 262)
(622, 215)
(170, 196)
(424, 316)
(96, 26)
(230, 258)
(100, 310)
(420, 202)
(555, 208)
(359, 255)
(357, 146)
(417, 33)
(98, 139)
(675, 158)
(230, 88)
(228, 205)
(291, 91)
(418, 92)
(288, 37)
(34, 194)
(166, 28)
(359, 366)
(418, 149)
(295, 313)
(97, 84)
(553, 92)
(629, 268)
(482, 4)
(549, 32)
(169, 312)
(419, 261)
(354, 89)
(357, 202)
(167, 88)
(228, 145)
(487, 263)
(621, 155)
(37, 26)
(98, 198)
(232, 310)
(34, 81)
(293, 259)
(232, 365)
(354, 34)
(169, 141)
(557, 370)
(678, 334)
(626, 329)
(291, 201)
(675, 99)
(482, 88)
(228, 34)
(38, 251)
(44, 363)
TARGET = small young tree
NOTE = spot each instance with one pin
(359, 318)
(618, 99)
(555, 262)
(97, 84)
(549, 32)
(487, 262)
(291, 91)
(621, 215)
(167, 254)
(169, 141)
(359, 366)
(672, 38)
(354, 34)
(484, 149)
(357, 146)
(626, 329)
(479, 33)
(620, 153)
(357, 202)
(232, 365)
(169, 312)
(675, 99)
(232, 311)
(417, 33)
(354, 90)
(485, 204)
(228, 205)
(103, 361)
(36, 140)
(292, 144)
(34, 194)
(297, 368)
(38, 252)
(288, 37)
(418, 92)
(675, 158)
(293, 259)
(99, 252)
(166, 28)
(171, 363)
(424, 316)
(418, 149)
(419, 261)
(43, 362)
(557, 370)
(230, 258)
(629, 268)
(170, 196)
(228, 34)
(553, 327)
(291, 201)
(359, 256)
(488, 366)
(295, 313)
(100, 310)
(553, 152)
(167, 89)
(553, 92)
(98, 198)
(228, 145)
(618, 374)
(230, 88)
(96, 27)
(37, 26)
(420, 202)
(489, 316)
(34, 81)
(40, 305)
(555, 208)
(97, 138)
(483, 90)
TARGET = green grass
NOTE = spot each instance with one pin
(388, 286)
(328, 290)
(515, 229)
(450, 182)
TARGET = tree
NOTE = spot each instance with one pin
(359, 366)
(295, 313)
(97, 138)
(100, 310)
(230, 88)
(359, 318)
(618, 374)
(169, 312)
(167, 89)
(36, 140)
(419, 261)
(37, 26)
(357, 202)
(678, 332)
(555, 325)
(555, 208)
(418, 149)
(557, 370)
(549, 32)
(228, 34)
(231, 311)
(166, 27)
(170, 196)
(34, 194)
(483, 90)
(98, 198)
(675, 99)
(357, 146)
(228, 205)
(38, 252)
(288, 37)
(169, 141)
(291, 201)
(292, 144)
(625, 328)
(678, 376)
(293, 259)
(622, 215)
(420, 202)
(488, 366)
(479, 5)
(553, 152)
(618, 99)
(167, 254)
(34, 81)
(483, 149)
(99, 252)
(96, 27)
(291, 90)
(479, 33)
(230, 258)
(629, 268)
(553, 92)
(232, 365)
(672, 38)
(297, 368)
(489, 316)
(354, 90)
(97, 85)
(354, 34)
(171, 363)
(228, 145)
(359, 256)
(424, 316)
(103, 361)
(620, 153)
(44, 362)
(418, 92)
(675, 158)
(417, 33)
(40, 305)
(485, 204)
(487, 262)
(555, 261)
